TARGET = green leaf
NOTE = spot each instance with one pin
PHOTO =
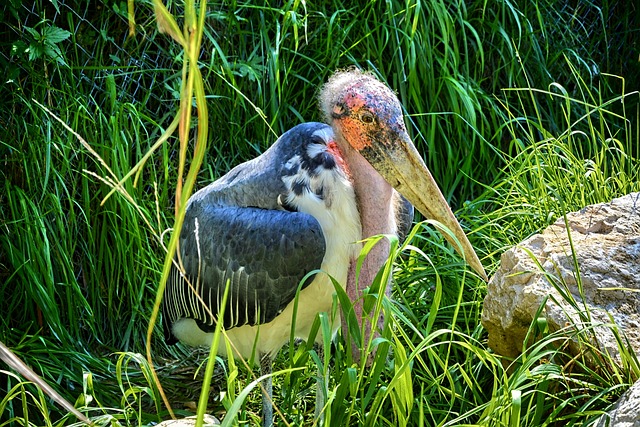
(35, 52)
(55, 4)
(19, 48)
(53, 52)
(34, 33)
(53, 35)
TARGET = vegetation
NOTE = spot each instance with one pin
(523, 111)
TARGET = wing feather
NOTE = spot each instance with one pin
(264, 254)
(244, 237)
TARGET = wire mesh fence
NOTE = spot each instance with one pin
(605, 33)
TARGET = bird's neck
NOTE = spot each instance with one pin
(374, 200)
(374, 197)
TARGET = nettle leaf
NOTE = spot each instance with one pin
(34, 33)
(53, 34)
(35, 51)
(54, 52)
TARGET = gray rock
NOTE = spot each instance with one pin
(626, 412)
(606, 239)
(209, 421)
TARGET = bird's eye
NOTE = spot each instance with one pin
(367, 118)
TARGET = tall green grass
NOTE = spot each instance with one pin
(510, 105)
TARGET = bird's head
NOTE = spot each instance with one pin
(366, 115)
(363, 109)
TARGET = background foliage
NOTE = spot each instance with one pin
(523, 110)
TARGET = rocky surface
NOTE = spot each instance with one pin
(606, 239)
(626, 412)
(209, 421)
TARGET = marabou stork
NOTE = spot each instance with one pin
(304, 204)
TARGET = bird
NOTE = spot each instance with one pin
(304, 205)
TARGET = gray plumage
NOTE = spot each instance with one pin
(247, 235)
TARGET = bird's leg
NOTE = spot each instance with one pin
(267, 391)
(318, 415)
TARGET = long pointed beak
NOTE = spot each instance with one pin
(401, 165)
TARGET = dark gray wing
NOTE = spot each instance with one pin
(263, 253)
(244, 237)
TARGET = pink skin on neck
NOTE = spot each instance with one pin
(374, 200)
